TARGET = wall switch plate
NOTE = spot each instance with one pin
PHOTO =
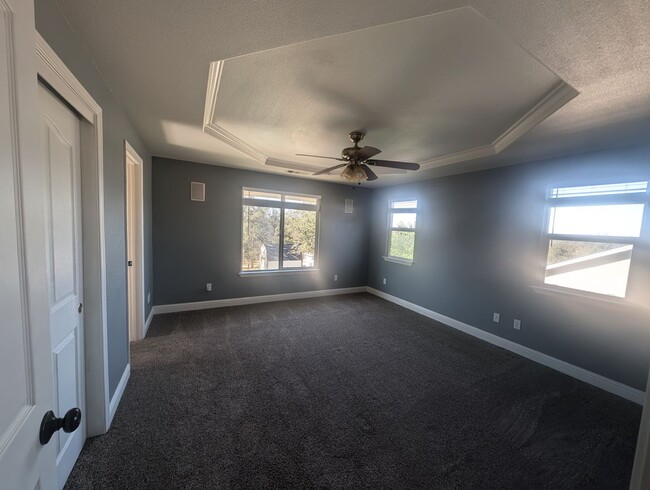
(496, 317)
(148, 298)
(384, 280)
(336, 277)
(208, 287)
(516, 324)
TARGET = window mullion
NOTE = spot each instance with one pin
(281, 244)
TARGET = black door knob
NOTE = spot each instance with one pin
(50, 424)
(130, 263)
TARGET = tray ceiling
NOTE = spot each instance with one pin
(436, 90)
(155, 56)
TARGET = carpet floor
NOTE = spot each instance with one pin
(349, 392)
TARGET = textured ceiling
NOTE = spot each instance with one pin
(434, 89)
(155, 55)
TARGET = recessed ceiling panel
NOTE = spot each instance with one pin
(435, 90)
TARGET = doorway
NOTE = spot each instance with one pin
(135, 242)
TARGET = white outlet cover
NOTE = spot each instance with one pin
(384, 280)
(336, 277)
(516, 324)
(496, 317)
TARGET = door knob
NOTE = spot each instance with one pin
(50, 424)
(129, 263)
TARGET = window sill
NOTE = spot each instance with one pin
(276, 272)
(398, 260)
(583, 295)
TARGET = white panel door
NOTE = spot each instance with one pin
(60, 132)
(25, 355)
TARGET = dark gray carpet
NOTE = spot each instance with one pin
(350, 392)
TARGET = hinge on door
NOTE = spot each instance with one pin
(80, 307)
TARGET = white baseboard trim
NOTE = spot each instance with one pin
(147, 324)
(249, 300)
(594, 379)
(117, 396)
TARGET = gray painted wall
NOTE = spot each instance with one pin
(52, 25)
(200, 242)
(479, 248)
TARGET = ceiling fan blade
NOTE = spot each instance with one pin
(319, 156)
(388, 163)
(328, 170)
(369, 173)
(367, 152)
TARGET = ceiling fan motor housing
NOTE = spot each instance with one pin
(351, 152)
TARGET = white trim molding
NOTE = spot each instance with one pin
(579, 373)
(560, 95)
(131, 154)
(54, 72)
(249, 300)
(147, 324)
(597, 380)
(212, 128)
(119, 391)
(556, 98)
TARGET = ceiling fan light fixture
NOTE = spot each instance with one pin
(354, 172)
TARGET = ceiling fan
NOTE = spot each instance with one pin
(358, 161)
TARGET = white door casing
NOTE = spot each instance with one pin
(60, 133)
(135, 242)
(25, 356)
(52, 70)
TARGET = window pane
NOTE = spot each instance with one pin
(402, 244)
(404, 204)
(606, 220)
(301, 199)
(255, 194)
(261, 238)
(299, 238)
(402, 220)
(600, 190)
(596, 267)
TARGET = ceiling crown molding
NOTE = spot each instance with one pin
(560, 95)
(212, 128)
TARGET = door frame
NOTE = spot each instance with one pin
(137, 331)
(53, 72)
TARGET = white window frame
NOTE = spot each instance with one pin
(391, 210)
(281, 205)
(620, 198)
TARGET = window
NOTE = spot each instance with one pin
(592, 231)
(401, 231)
(279, 231)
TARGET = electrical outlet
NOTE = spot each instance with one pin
(208, 287)
(336, 277)
(516, 324)
(496, 317)
(384, 280)
(148, 298)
